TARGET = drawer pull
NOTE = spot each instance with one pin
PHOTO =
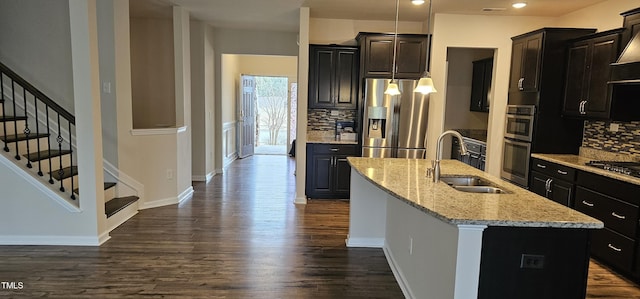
(614, 248)
(618, 216)
(562, 172)
(334, 149)
(586, 203)
(541, 166)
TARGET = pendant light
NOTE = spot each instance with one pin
(392, 89)
(425, 85)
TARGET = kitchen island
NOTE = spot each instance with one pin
(445, 243)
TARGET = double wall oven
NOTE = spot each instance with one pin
(518, 135)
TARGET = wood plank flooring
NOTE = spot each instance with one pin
(240, 236)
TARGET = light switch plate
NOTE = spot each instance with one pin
(335, 113)
(614, 127)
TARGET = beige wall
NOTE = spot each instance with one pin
(229, 86)
(603, 16)
(337, 31)
(152, 73)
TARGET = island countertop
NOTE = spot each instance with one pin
(406, 180)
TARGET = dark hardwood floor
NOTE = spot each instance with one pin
(240, 236)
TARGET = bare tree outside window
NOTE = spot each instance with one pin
(272, 109)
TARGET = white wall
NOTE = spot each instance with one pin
(36, 44)
(152, 72)
(106, 40)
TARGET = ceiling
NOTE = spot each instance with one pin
(282, 15)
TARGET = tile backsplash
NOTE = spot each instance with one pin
(626, 140)
(324, 120)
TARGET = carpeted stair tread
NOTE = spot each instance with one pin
(107, 185)
(22, 137)
(115, 205)
(46, 154)
(7, 118)
(66, 173)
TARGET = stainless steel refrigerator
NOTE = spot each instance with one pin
(394, 126)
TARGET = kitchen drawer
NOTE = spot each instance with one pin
(337, 149)
(616, 214)
(473, 147)
(621, 190)
(553, 169)
(613, 248)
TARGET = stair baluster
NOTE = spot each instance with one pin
(15, 128)
(49, 146)
(26, 130)
(4, 110)
(73, 196)
(60, 140)
(35, 105)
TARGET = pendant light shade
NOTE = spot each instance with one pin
(425, 85)
(392, 89)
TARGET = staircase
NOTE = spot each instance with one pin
(39, 134)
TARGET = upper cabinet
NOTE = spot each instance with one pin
(587, 93)
(538, 59)
(377, 55)
(333, 77)
(525, 63)
(481, 85)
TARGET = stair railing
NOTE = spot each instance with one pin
(48, 118)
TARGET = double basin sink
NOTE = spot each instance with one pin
(471, 184)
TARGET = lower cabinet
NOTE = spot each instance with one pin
(553, 181)
(616, 204)
(328, 171)
(476, 152)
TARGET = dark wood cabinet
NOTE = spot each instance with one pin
(538, 61)
(328, 171)
(631, 22)
(615, 203)
(481, 85)
(525, 63)
(333, 77)
(553, 181)
(377, 55)
(476, 152)
(587, 93)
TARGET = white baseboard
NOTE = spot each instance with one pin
(300, 200)
(203, 178)
(402, 282)
(104, 237)
(365, 242)
(53, 240)
(186, 194)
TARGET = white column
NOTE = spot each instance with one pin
(468, 261)
(303, 84)
(86, 90)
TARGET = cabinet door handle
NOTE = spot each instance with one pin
(614, 214)
(562, 172)
(334, 149)
(586, 203)
(614, 248)
(541, 166)
(521, 84)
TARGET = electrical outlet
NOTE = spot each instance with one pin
(410, 246)
(532, 261)
(169, 174)
(335, 113)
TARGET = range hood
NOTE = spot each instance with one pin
(627, 68)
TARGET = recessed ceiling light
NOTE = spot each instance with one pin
(417, 2)
(519, 4)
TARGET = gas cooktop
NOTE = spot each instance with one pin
(628, 168)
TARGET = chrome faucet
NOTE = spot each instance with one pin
(436, 162)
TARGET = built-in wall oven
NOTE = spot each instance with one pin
(516, 152)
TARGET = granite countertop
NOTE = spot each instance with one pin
(326, 137)
(406, 180)
(578, 162)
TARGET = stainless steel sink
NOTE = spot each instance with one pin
(472, 184)
(465, 181)
(479, 189)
